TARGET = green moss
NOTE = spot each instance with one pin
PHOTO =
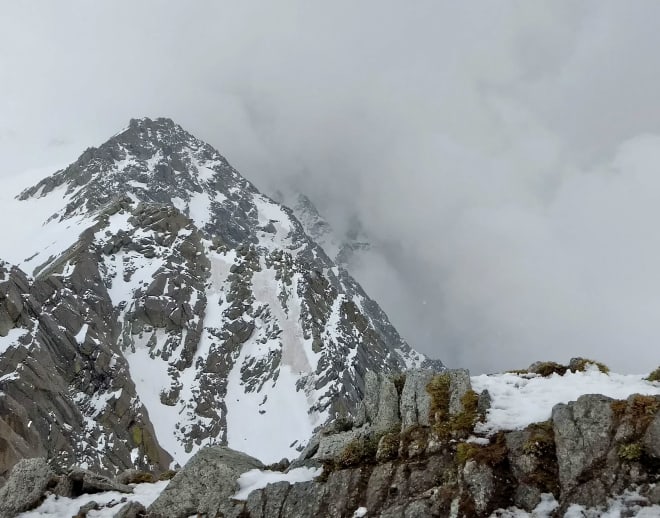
(547, 369)
(359, 451)
(136, 434)
(438, 389)
(167, 475)
(491, 454)
(465, 451)
(581, 364)
(445, 425)
(463, 423)
(630, 452)
(654, 376)
(642, 410)
(141, 477)
(388, 446)
(541, 441)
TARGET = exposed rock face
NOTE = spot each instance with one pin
(605, 446)
(204, 486)
(179, 301)
(66, 388)
(591, 449)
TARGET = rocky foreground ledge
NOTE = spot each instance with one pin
(422, 444)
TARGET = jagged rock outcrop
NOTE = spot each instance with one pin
(605, 446)
(590, 450)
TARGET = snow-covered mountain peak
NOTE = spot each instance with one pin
(149, 161)
(175, 299)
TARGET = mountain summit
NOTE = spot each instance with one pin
(175, 306)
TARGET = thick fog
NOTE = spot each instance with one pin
(503, 157)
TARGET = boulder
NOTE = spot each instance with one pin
(330, 446)
(415, 400)
(387, 417)
(479, 481)
(651, 439)
(205, 484)
(25, 487)
(583, 431)
(86, 482)
(459, 380)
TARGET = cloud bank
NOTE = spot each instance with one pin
(504, 156)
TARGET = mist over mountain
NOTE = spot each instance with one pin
(501, 157)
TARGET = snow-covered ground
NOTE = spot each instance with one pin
(626, 504)
(519, 400)
(62, 506)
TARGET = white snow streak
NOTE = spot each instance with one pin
(257, 479)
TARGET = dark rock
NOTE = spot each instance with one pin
(132, 510)
(651, 440)
(84, 481)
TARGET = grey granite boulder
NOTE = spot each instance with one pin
(25, 486)
(479, 481)
(459, 380)
(330, 446)
(205, 484)
(415, 400)
(582, 434)
(651, 439)
(83, 481)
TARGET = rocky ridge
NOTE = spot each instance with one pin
(415, 450)
(176, 302)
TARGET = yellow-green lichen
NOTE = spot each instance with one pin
(490, 454)
(654, 376)
(541, 441)
(630, 452)
(581, 365)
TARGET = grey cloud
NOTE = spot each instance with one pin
(494, 151)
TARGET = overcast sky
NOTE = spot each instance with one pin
(505, 156)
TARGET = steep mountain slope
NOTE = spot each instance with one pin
(174, 306)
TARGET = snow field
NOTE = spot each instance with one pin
(55, 506)
(520, 400)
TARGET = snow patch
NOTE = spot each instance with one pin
(518, 401)
(62, 506)
(258, 479)
(80, 337)
(12, 338)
